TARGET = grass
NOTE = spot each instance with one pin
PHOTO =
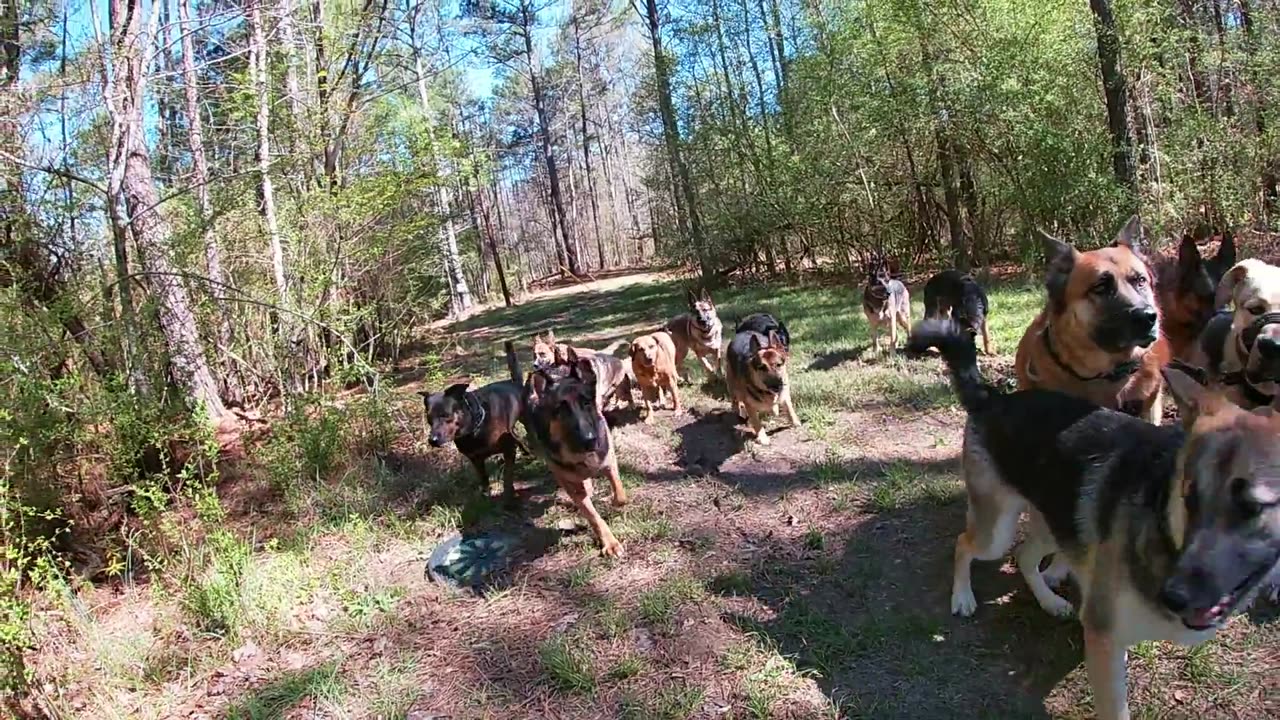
(567, 666)
(719, 601)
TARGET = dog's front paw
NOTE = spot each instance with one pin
(963, 603)
(619, 501)
(611, 548)
(762, 438)
(1056, 574)
(1057, 606)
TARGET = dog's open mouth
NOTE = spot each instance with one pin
(1218, 613)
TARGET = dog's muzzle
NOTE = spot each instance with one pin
(436, 440)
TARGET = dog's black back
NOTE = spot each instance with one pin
(967, 299)
(762, 323)
(1056, 449)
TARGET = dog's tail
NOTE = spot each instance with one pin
(513, 363)
(612, 347)
(961, 356)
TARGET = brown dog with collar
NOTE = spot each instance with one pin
(1098, 337)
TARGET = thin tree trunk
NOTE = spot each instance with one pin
(493, 240)
(200, 186)
(151, 232)
(544, 133)
(1117, 95)
(688, 221)
(267, 204)
(586, 142)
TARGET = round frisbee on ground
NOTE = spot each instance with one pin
(472, 560)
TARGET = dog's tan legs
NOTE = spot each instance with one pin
(991, 524)
(757, 426)
(706, 363)
(893, 333)
(875, 334)
(580, 493)
(615, 478)
(1104, 659)
(789, 406)
(647, 394)
(986, 339)
(675, 397)
(682, 351)
(1039, 542)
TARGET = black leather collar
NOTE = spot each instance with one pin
(475, 408)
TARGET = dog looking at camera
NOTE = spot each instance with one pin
(1240, 348)
(756, 374)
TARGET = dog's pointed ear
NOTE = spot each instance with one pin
(1194, 400)
(1226, 256)
(753, 345)
(1130, 235)
(774, 340)
(1189, 259)
(584, 370)
(1227, 285)
(706, 296)
(457, 390)
(1060, 260)
(690, 298)
(551, 337)
(571, 355)
(426, 397)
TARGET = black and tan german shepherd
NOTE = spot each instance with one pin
(480, 424)
(567, 429)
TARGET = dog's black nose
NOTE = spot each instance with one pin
(435, 440)
(1268, 347)
(1175, 595)
(1144, 318)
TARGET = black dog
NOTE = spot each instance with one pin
(764, 323)
(958, 296)
(480, 424)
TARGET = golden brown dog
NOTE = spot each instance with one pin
(755, 370)
(1240, 348)
(1186, 290)
(1097, 338)
(653, 362)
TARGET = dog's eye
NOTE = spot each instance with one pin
(1103, 286)
(1138, 280)
(1256, 309)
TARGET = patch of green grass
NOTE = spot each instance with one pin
(273, 701)
(643, 523)
(659, 605)
(567, 665)
(394, 688)
(814, 539)
(581, 576)
(731, 582)
(671, 702)
(609, 616)
(905, 485)
(625, 669)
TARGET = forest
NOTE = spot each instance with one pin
(218, 211)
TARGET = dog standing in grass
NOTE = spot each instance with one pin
(480, 423)
(614, 378)
(1168, 533)
(885, 301)
(699, 331)
(956, 295)
(756, 373)
(653, 361)
(567, 429)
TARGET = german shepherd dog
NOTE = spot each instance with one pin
(568, 430)
(1241, 348)
(614, 379)
(653, 361)
(1097, 336)
(480, 424)
(885, 301)
(764, 323)
(1187, 293)
(956, 295)
(698, 330)
(756, 373)
(1167, 532)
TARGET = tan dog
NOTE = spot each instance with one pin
(653, 362)
(698, 330)
(1241, 348)
(1097, 337)
(755, 370)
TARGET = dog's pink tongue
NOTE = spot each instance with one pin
(1208, 616)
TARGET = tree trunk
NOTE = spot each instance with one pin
(493, 241)
(688, 221)
(200, 185)
(150, 231)
(1117, 95)
(586, 141)
(267, 193)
